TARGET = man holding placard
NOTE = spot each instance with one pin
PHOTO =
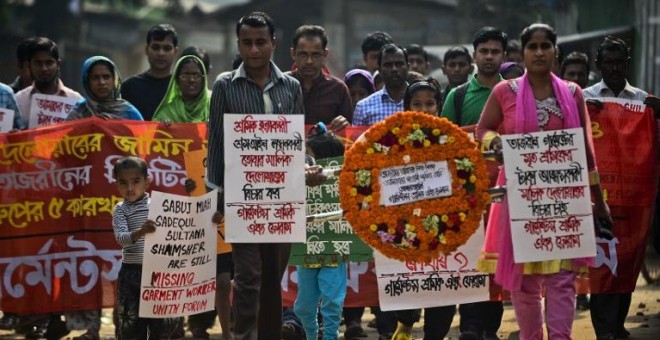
(609, 309)
(44, 58)
(256, 87)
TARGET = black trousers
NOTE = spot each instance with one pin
(481, 317)
(609, 312)
(131, 326)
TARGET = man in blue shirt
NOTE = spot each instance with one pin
(393, 67)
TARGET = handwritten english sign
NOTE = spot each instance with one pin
(264, 178)
(47, 109)
(6, 120)
(548, 195)
(414, 182)
(178, 273)
(447, 280)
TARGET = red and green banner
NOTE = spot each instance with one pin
(57, 193)
(625, 140)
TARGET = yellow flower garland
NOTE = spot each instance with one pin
(421, 230)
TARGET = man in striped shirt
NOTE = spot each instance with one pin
(256, 87)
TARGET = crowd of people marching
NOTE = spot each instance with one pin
(504, 86)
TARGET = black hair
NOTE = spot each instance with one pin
(257, 19)
(489, 33)
(457, 51)
(160, 32)
(199, 53)
(513, 45)
(325, 145)
(43, 44)
(130, 162)
(391, 49)
(22, 49)
(612, 44)
(375, 41)
(527, 32)
(575, 58)
(417, 50)
(414, 76)
(309, 31)
(430, 84)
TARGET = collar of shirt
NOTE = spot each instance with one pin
(604, 89)
(60, 89)
(477, 85)
(385, 96)
(318, 80)
(275, 75)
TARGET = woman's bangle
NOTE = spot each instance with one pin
(594, 178)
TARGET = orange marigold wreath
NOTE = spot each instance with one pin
(424, 229)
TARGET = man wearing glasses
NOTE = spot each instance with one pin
(326, 98)
(146, 90)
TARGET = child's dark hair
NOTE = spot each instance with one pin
(325, 145)
(130, 162)
(429, 84)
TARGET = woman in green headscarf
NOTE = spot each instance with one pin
(187, 99)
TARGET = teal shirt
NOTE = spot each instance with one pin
(473, 103)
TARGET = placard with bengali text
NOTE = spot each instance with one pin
(330, 241)
(447, 280)
(548, 195)
(264, 178)
(47, 109)
(6, 120)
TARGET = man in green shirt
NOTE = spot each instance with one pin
(463, 105)
(489, 44)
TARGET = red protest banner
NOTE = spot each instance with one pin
(57, 193)
(625, 142)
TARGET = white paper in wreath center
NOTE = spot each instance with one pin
(414, 182)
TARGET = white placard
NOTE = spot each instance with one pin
(47, 109)
(264, 178)
(178, 272)
(414, 182)
(548, 195)
(6, 120)
(448, 280)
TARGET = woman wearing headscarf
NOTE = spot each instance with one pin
(187, 99)
(102, 84)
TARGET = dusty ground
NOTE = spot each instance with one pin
(643, 321)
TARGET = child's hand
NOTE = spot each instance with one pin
(148, 227)
(190, 185)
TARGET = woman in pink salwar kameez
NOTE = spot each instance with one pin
(537, 101)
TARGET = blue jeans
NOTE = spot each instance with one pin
(327, 284)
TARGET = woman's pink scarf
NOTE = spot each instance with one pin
(508, 273)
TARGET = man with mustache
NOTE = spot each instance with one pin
(146, 90)
(44, 60)
(326, 98)
(393, 67)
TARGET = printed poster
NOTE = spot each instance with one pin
(6, 120)
(264, 178)
(179, 266)
(47, 109)
(330, 241)
(548, 195)
(447, 280)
